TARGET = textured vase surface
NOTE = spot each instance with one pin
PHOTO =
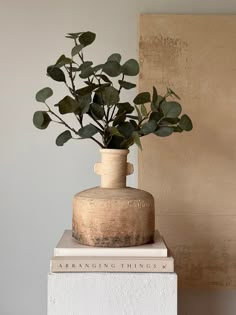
(113, 215)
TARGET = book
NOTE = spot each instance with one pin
(111, 264)
(68, 246)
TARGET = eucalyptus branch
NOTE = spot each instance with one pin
(108, 98)
(99, 143)
(59, 118)
(112, 113)
(96, 121)
(123, 76)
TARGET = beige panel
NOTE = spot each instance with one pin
(193, 175)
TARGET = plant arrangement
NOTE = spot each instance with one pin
(94, 91)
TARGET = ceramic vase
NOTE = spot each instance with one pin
(113, 215)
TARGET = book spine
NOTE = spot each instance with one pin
(78, 264)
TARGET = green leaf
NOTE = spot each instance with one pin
(63, 138)
(125, 108)
(102, 87)
(126, 85)
(171, 109)
(112, 68)
(86, 72)
(85, 65)
(115, 142)
(137, 141)
(131, 67)
(97, 98)
(164, 131)
(110, 96)
(97, 110)
(76, 50)
(139, 113)
(104, 78)
(98, 67)
(41, 119)
(133, 122)
(155, 103)
(144, 110)
(172, 121)
(87, 38)
(67, 105)
(119, 119)
(154, 95)
(74, 35)
(85, 90)
(125, 144)
(126, 129)
(114, 132)
(156, 116)
(43, 94)
(149, 127)
(171, 92)
(56, 74)
(114, 57)
(177, 129)
(87, 131)
(84, 103)
(155, 106)
(142, 98)
(186, 123)
(63, 60)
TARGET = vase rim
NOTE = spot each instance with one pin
(115, 151)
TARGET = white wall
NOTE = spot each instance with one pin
(39, 179)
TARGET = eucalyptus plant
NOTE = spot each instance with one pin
(95, 91)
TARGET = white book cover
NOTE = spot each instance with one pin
(68, 246)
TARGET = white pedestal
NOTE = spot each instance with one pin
(112, 294)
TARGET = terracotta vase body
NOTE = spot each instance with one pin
(113, 215)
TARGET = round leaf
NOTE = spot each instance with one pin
(97, 110)
(56, 74)
(112, 68)
(67, 105)
(63, 138)
(63, 60)
(110, 96)
(87, 38)
(126, 129)
(164, 131)
(131, 67)
(156, 116)
(41, 119)
(171, 109)
(44, 94)
(86, 72)
(142, 98)
(149, 127)
(126, 85)
(186, 123)
(87, 89)
(75, 50)
(85, 64)
(114, 57)
(87, 131)
(125, 108)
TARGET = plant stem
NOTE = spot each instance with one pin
(59, 118)
(123, 76)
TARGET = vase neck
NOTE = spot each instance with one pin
(113, 168)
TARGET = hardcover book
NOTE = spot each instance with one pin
(68, 246)
(111, 264)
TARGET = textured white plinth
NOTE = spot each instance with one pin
(112, 294)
